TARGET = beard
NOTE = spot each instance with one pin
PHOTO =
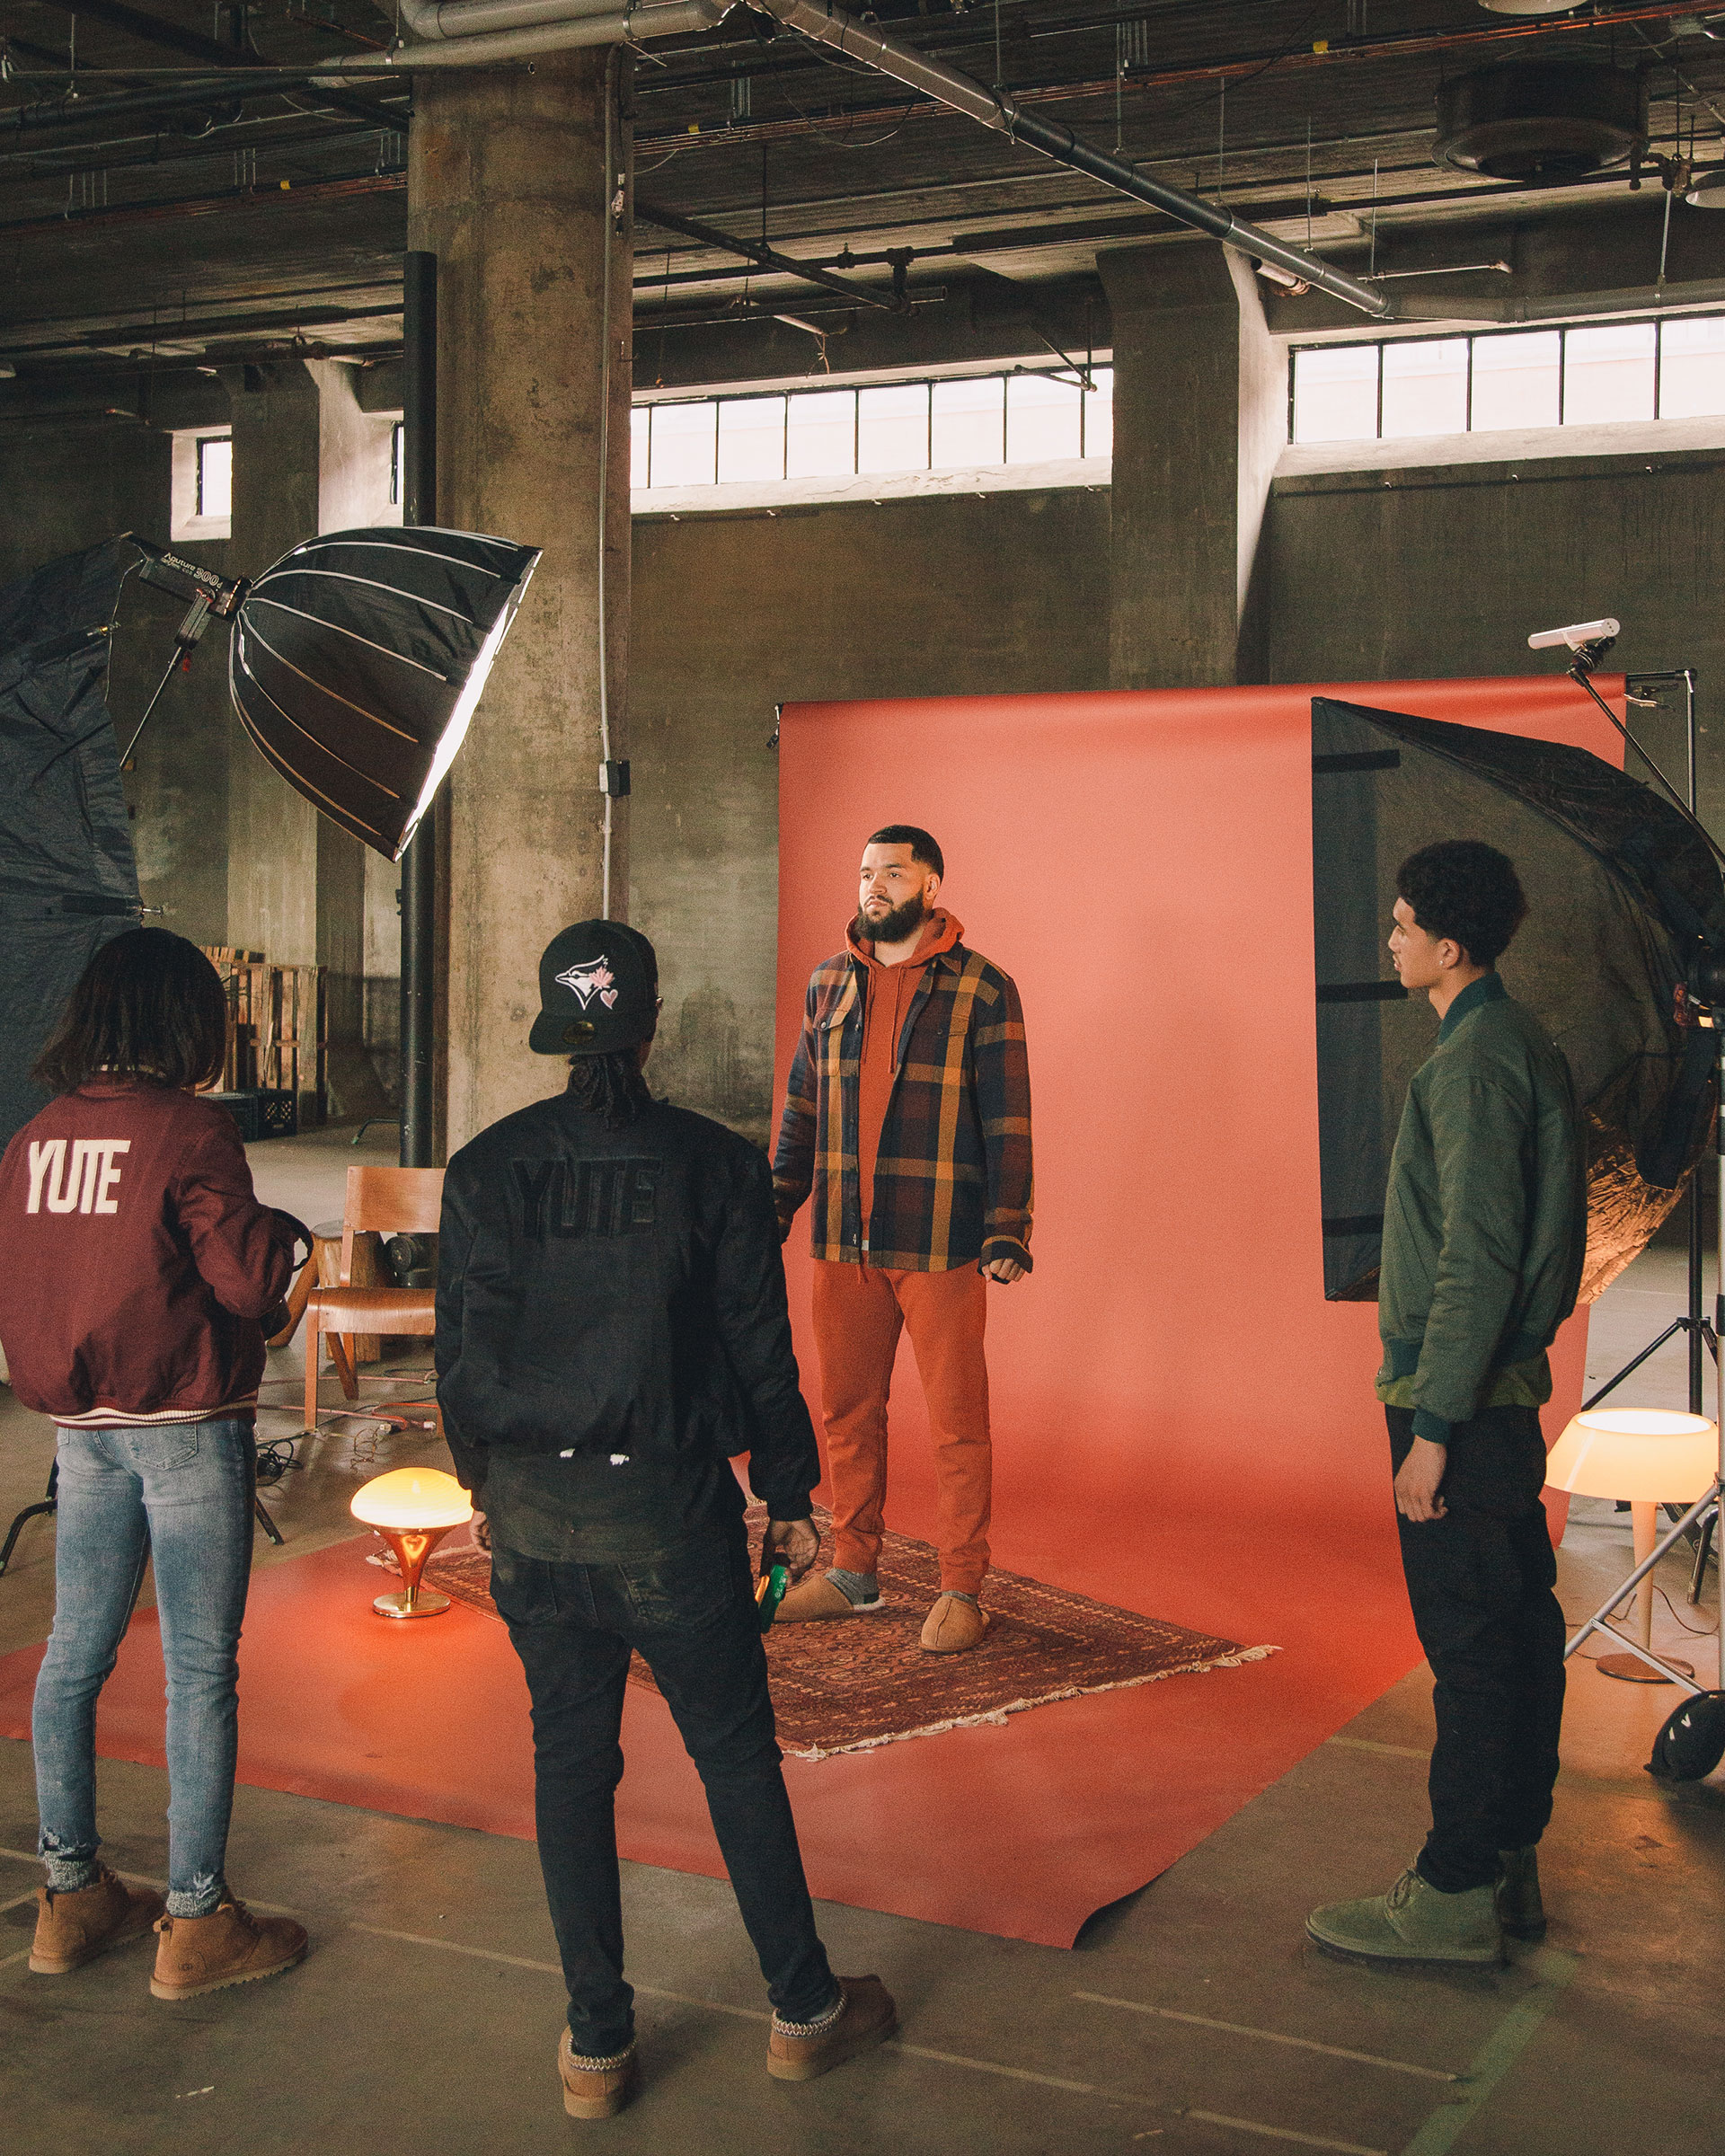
(894, 926)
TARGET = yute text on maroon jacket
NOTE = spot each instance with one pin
(135, 1261)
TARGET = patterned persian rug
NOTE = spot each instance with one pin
(850, 1686)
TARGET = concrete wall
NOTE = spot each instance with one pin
(1444, 571)
(733, 614)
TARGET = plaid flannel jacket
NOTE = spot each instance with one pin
(953, 1181)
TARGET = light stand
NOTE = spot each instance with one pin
(1709, 1006)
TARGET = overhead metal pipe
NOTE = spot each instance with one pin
(565, 32)
(829, 25)
(434, 19)
(764, 257)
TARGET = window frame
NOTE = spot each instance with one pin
(1658, 324)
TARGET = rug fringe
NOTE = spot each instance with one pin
(996, 1716)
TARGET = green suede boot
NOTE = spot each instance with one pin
(1414, 1922)
(1520, 1910)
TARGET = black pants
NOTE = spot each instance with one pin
(1481, 1583)
(692, 1615)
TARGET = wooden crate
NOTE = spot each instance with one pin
(276, 1035)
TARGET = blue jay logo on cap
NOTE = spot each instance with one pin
(595, 978)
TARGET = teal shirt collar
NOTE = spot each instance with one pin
(1488, 989)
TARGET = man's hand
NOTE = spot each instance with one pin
(482, 1528)
(1003, 1269)
(1415, 1486)
(795, 1542)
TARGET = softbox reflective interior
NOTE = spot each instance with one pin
(355, 663)
(68, 879)
(1622, 894)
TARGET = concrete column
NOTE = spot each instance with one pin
(1199, 420)
(305, 461)
(273, 831)
(508, 186)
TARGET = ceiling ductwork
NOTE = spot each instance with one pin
(1541, 120)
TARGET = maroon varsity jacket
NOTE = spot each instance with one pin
(135, 1261)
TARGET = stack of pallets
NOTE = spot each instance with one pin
(276, 1032)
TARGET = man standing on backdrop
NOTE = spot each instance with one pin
(907, 1115)
(1484, 1231)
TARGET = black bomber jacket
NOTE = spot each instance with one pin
(619, 1292)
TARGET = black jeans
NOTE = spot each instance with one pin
(1481, 1583)
(691, 1612)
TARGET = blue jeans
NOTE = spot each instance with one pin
(691, 1612)
(180, 1493)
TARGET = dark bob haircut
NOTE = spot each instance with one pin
(922, 846)
(1467, 891)
(150, 1005)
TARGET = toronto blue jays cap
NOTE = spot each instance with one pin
(598, 991)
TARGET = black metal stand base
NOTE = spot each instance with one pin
(50, 1502)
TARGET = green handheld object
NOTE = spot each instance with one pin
(770, 1594)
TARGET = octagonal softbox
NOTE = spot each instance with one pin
(1624, 897)
(355, 663)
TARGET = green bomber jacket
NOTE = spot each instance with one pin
(1485, 1221)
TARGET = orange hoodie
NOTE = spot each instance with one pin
(888, 991)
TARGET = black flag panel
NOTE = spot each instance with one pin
(1622, 895)
(68, 879)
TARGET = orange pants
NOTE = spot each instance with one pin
(859, 1313)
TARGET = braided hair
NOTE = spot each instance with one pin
(611, 1086)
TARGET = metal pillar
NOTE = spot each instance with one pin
(419, 862)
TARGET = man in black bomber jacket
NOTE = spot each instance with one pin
(611, 1325)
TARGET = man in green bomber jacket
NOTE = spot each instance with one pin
(1485, 1226)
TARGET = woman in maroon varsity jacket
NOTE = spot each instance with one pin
(138, 1277)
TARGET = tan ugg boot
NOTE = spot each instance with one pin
(818, 1597)
(74, 1928)
(596, 2088)
(199, 1954)
(868, 2016)
(953, 1626)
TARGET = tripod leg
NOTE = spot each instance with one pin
(267, 1523)
(1611, 1384)
(48, 1502)
(1704, 1550)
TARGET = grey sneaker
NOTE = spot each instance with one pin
(1520, 1910)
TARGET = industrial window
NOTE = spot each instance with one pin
(215, 475)
(1510, 378)
(958, 423)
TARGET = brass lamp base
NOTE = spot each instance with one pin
(413, 1546)
(1633, 1670)
(426, 1603)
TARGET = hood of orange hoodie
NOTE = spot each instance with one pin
(943, 930)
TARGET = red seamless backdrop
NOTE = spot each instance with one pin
(1184, 1425)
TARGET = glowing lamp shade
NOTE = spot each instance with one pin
(357, 660)
(412, 1509)
(1651, 1455)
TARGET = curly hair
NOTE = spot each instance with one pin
(611, 1086)
(1467, 891)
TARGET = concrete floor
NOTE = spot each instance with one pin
(1191, 2013)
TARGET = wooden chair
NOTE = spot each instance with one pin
(384, 1201)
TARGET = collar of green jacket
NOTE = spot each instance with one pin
(1488, 989)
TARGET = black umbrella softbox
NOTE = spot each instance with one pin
(356, 661)
(1624, 895)
(68, 879)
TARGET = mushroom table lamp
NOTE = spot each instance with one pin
(1653, 1456)
(412, 1509)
